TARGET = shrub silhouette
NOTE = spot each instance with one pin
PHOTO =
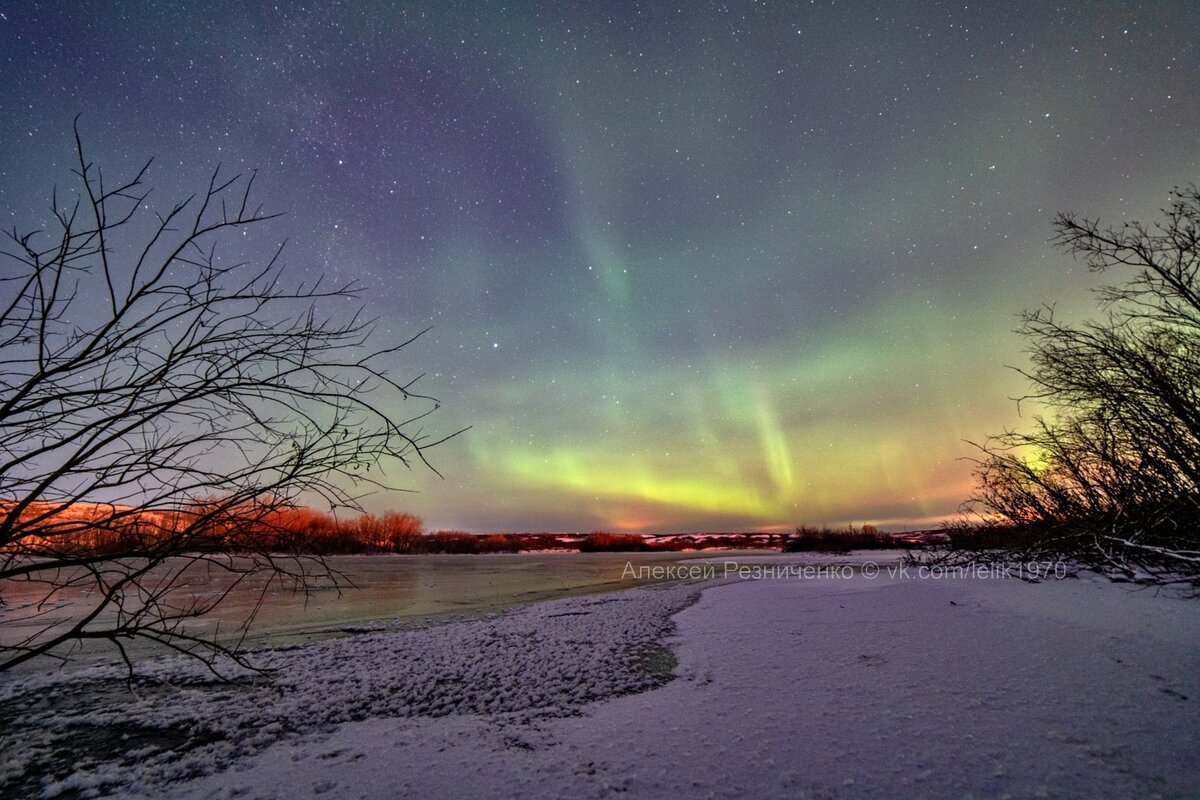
(602, 542)
(1109, 475)
(828, 540)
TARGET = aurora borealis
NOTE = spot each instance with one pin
(689, 266)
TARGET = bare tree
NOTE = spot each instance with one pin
(1110, 474)
(162, 401)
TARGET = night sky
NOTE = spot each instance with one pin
(689, 266)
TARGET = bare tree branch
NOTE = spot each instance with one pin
(163, 402)
(1110, 475)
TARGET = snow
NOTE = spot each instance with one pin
(827, 688)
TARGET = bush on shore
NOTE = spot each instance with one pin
(601, 542)
(842, 540)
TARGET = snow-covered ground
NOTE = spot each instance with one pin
(823, 687)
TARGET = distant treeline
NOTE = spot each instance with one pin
(84, 530)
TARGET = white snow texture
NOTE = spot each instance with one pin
(784, 688)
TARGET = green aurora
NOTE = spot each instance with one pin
(688, 267)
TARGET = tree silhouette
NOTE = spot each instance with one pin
(162, 400)
(1110, 474)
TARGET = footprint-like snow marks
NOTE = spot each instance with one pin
(84, 733)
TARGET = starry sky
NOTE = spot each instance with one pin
(688, 266)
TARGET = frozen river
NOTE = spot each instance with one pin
(380, 590)
(395, 587)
